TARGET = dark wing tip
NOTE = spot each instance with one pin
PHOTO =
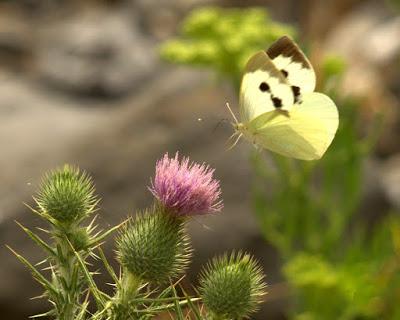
(288, 48)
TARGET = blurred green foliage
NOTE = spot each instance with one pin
(223, 39)
(364, 283)
(306, 209)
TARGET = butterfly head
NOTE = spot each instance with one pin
(239, 127)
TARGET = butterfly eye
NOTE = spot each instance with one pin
(264, 86)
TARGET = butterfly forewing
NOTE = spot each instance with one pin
(264, 88)
(294, 65)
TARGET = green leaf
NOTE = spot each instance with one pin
(100, 297)
(96, 240)
(36, 274)
(37, 240)
(178, 308)
(108, 266)
(194, 308)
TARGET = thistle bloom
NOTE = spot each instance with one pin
(185, 188)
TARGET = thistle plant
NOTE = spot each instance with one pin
(66, 198)
(153, 250)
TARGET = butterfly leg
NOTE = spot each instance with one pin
(236, 141)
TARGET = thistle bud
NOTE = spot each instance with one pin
(67, 195)
(154, 247)
(232, 286)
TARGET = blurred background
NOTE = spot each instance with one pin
(111, 86)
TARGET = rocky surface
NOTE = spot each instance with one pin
(96, 53)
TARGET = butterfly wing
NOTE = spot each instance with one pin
(305, 134)
(294, 65)
(263, 88)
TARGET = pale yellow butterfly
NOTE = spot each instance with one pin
(279, 109)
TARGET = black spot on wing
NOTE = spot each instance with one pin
(285, 73)
(277, 102)
(296, 93)
(264, 87)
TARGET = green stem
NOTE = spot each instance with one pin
(129, 287)
(69, 286)
(123, 302)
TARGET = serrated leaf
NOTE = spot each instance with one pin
(37, 240)
(192, 306)
(110, 270)
(98, 295)
(96, 240)
(178, 308)
(36, 274)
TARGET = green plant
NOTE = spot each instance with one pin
(153, 250)
(223, 39)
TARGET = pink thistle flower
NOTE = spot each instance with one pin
(186, 188)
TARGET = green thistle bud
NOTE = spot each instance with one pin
(79, 238)
(67, 195)
(232, 286)
(155, 247)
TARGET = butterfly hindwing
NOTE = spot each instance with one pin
(305, 135)
(263, 88)
(294, 65)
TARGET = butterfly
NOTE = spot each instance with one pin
(279, 109)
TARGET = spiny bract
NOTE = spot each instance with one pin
(155, 247)
(232, 286)
(67, 195)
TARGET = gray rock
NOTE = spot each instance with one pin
(16, 41)
(97, 53)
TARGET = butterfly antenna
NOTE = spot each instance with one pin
(218, 124)
(233, 115)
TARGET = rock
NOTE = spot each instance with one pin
(16, 41)
(161, 18)
(96, 53)
(367, 38)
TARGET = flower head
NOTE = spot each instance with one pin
(232, 286)
(67, 195)
(186, 188)
(155, 246)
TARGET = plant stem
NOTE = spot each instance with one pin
(129, 287)
(68, 279)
